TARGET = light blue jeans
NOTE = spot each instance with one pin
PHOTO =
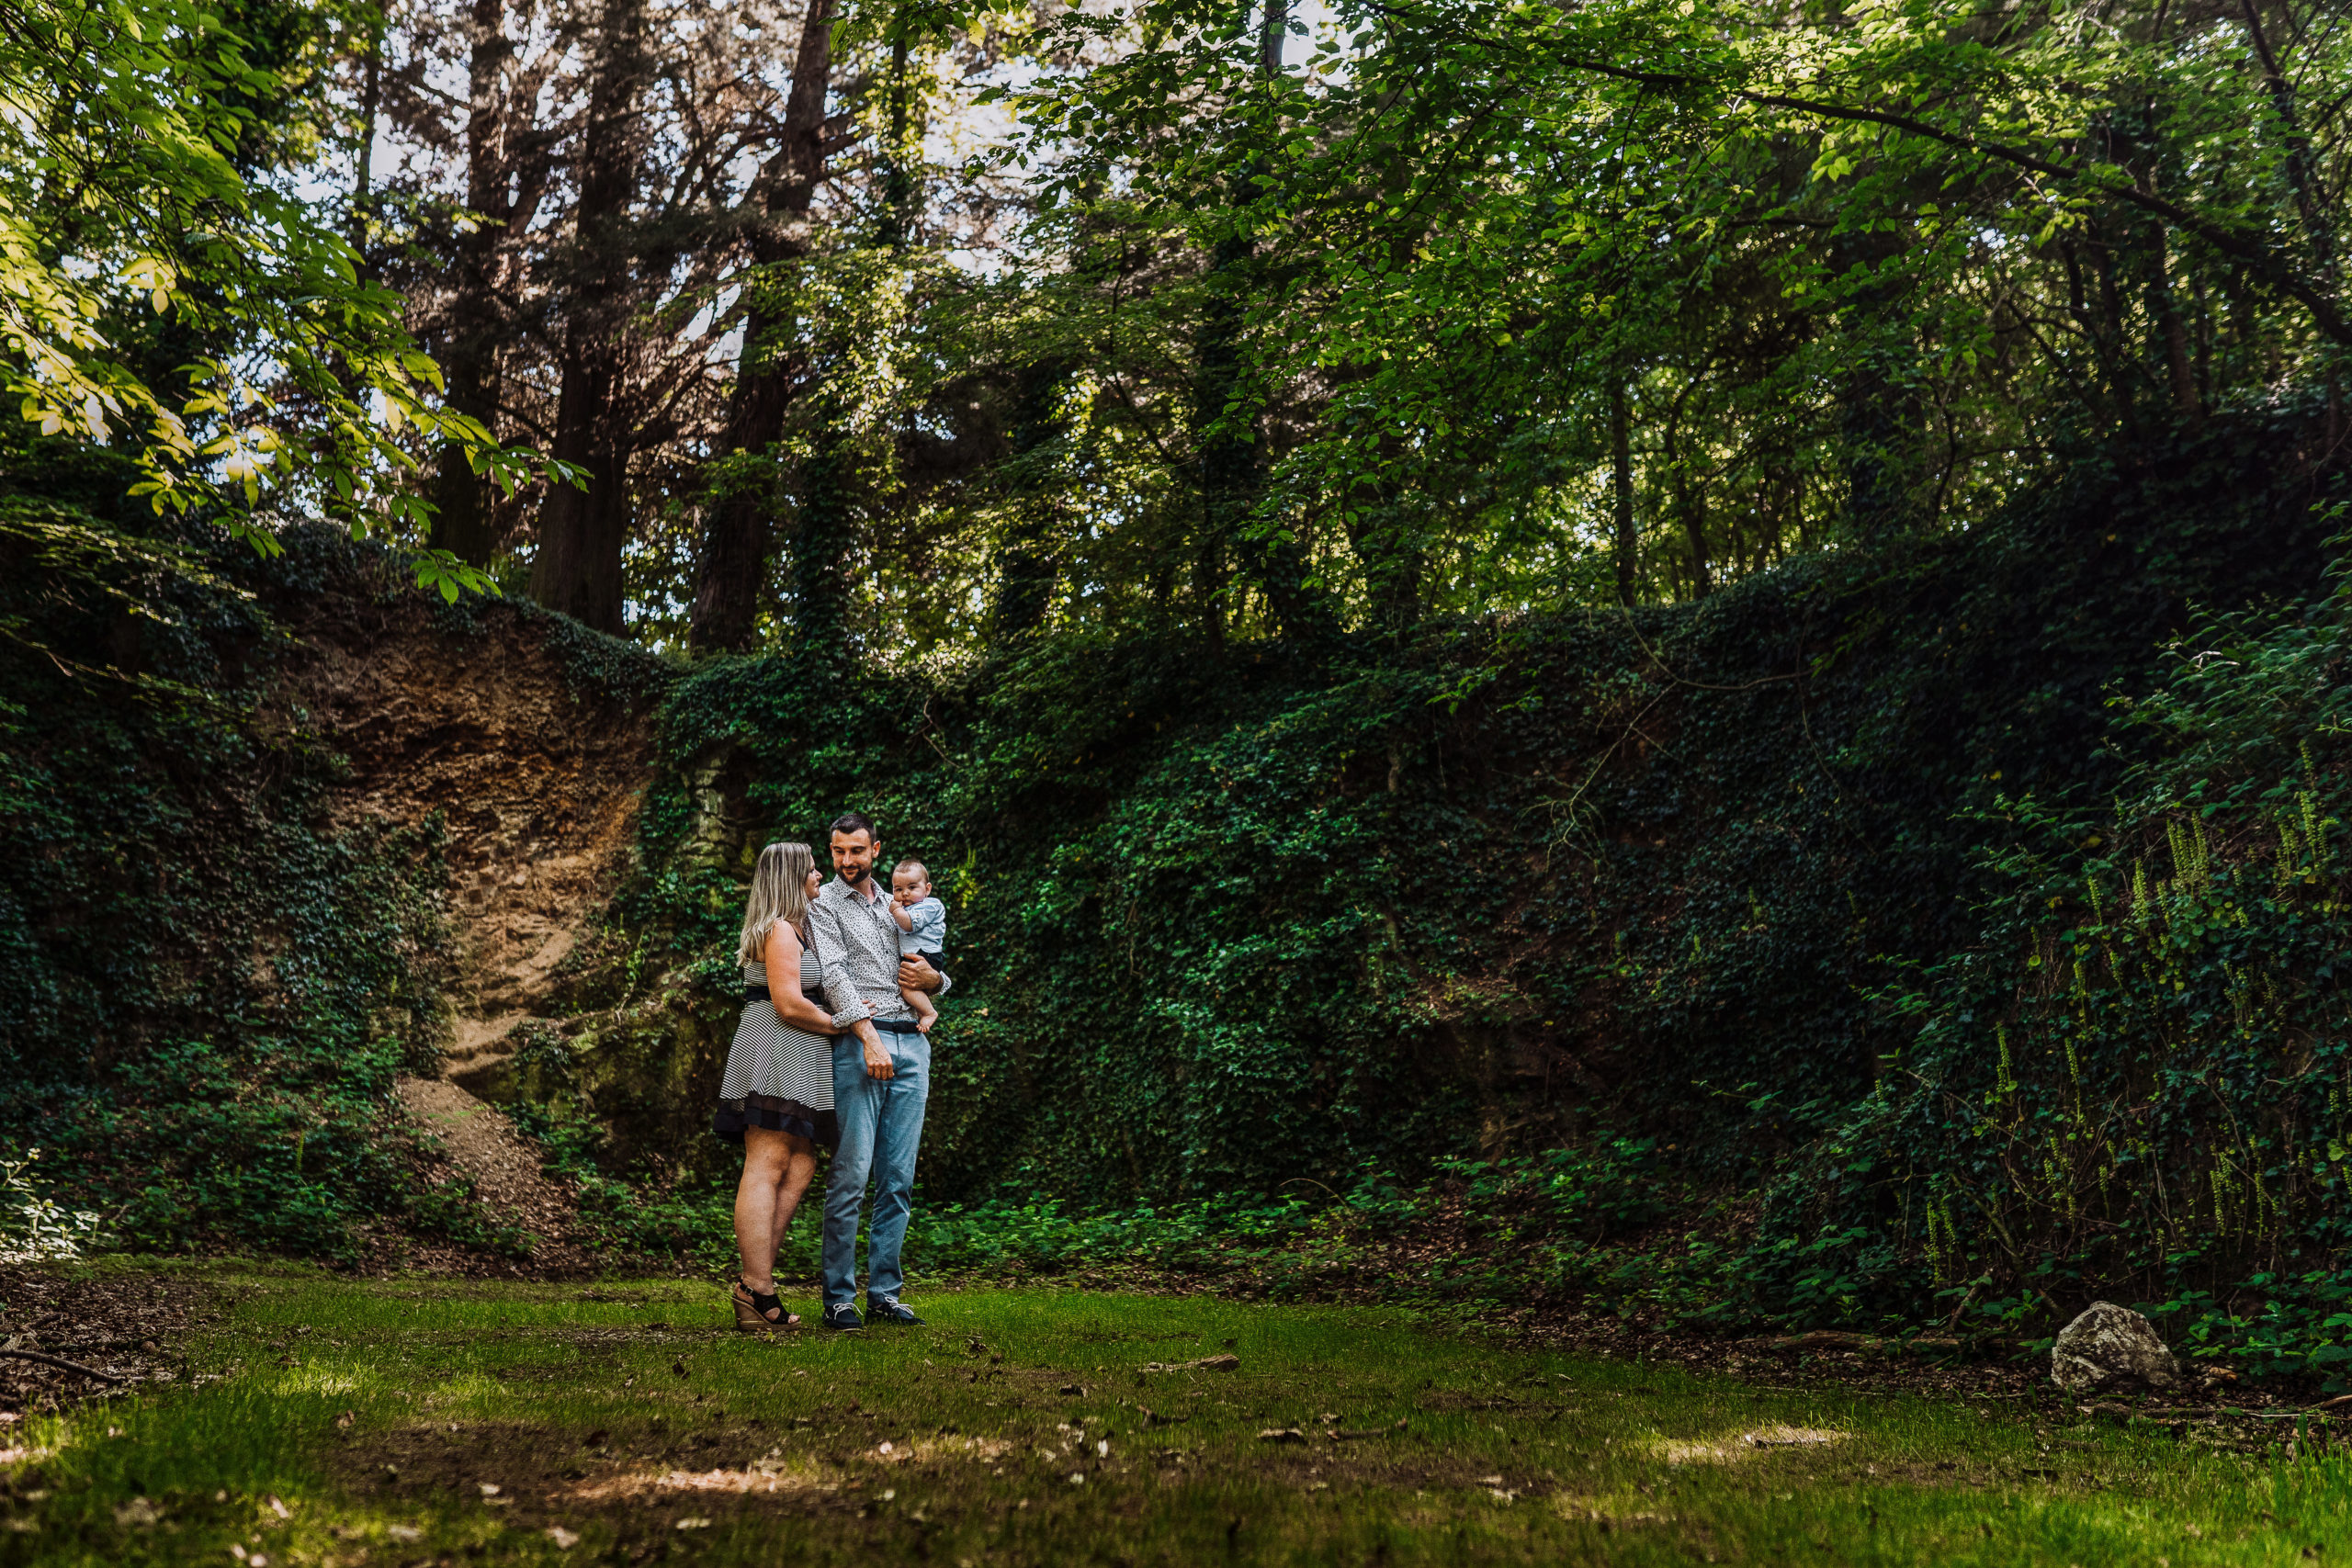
(881, 1130)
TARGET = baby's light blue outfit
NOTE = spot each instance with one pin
(929, 931)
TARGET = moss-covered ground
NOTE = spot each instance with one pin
(403, 1422)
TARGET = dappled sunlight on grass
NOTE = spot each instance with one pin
(375, 1423)
(1734, 1446)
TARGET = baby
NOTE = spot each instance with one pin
(922, 928)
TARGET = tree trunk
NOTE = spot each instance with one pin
(462, 523)
(2175, 331)
(362, 193)
(820, 551)
(1690, 505)
(1226, 458)
(2104, 241)
(2147, 235)
(825, 542)
(1032, 569)
(578, 570)
(1385, 536)
(897, 169)
(2201, 338)
(1621, 474)
(1385, 539)
(1209, 585)
(1231, 458)
(1690, 501)
(2311, 201)
(740, 541)
(1878, 407)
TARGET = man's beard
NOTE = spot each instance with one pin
(853, 875)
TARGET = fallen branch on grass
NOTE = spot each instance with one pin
(1205, 1364)
(62, 1362)
(2202, 1415)
(1845, 1340)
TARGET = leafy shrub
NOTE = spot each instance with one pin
(35, 1227)
(1596, 1192)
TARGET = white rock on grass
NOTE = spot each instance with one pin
(2111, 1349)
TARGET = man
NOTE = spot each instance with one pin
(881, 1077)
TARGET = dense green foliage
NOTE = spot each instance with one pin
(1226, 321)
(164, 298)
(1636, 912)
(2137, 1071)
(1255, 922)
(208, 985)
(1827, 274)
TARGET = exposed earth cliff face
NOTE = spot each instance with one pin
(537, 776)
(484, 718)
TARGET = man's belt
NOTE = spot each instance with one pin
(887, 1026)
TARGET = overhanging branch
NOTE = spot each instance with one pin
(2245, 245)
(2259, 258)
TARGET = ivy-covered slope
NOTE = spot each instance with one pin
(1284, 917)
(205, 988)
(2135, 1079)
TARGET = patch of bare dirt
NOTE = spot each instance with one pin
(132, 1327)
(645, 1475)
(1731, 1448)
(505, 1168)
(647, 1472)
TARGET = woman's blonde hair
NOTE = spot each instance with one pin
(779, 892)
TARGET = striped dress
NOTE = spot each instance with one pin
(778, 1077)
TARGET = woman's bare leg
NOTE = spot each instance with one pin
(767, 1164)
(792, 1185)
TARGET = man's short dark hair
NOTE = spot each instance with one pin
(852, 822)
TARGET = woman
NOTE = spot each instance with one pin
(777, 1097)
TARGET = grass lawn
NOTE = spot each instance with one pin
(404, 1422)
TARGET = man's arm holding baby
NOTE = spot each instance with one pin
(916, 975)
